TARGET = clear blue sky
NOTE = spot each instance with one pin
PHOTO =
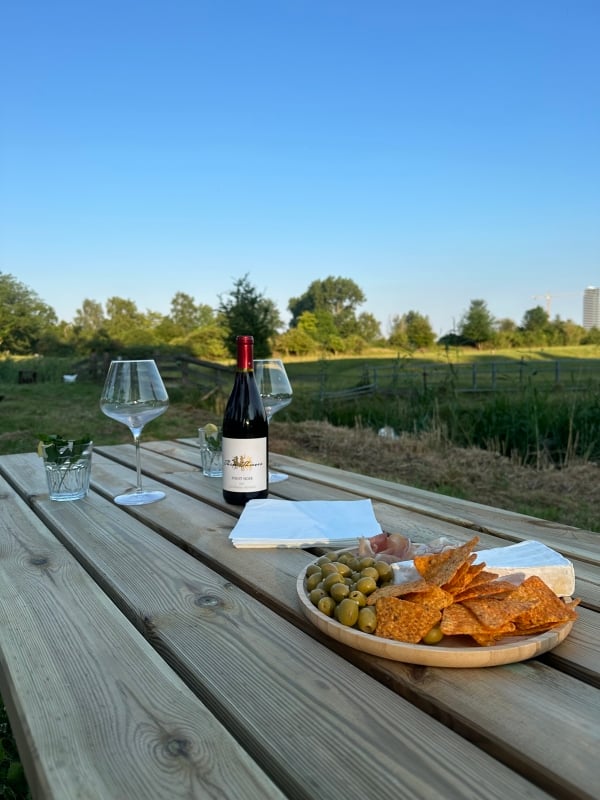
(433, 152)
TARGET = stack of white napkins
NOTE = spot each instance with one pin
(304, 523)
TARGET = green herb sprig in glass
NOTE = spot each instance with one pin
(59, 450)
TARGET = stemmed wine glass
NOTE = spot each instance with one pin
(134, 394)
(276, 392)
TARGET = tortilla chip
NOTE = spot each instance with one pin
(547, 609)
(397, 590)
(463, 576)
(494, 612)
(434, 597)
(459, 620)
(404, 621)
(489, 640)
(495, 588)
(481, 576)
(440, 568)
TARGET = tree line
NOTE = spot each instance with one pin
(324, 319)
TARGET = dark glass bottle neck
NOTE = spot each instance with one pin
(245, 353)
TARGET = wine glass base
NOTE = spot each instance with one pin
(277, 477)
(138, 498)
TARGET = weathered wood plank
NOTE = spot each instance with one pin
(270, 572)
(95, 711)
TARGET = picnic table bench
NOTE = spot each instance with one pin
(143, 656)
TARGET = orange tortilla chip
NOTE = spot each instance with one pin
(440, 568)
(404, 621)
(548, 609)
(458, 620)
(463, 576)
(488, 640)
(397, 590)
(434, 597)
(494, 612)
(490, 589)
(481, 576)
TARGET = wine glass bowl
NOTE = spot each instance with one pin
(276, 393)
(135, 394)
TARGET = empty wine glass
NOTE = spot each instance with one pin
(134, 394)
(276, 392)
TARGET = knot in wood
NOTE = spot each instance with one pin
(207, 601)
(179, 748)
(39, 561)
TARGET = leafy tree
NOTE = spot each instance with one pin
(477, 324)
(535, 319)
(89, 319)
(24, 317)
(127, 326)
(507, 333)
(186, 315)
(207, 342)
(246, 311)
(338, 296)
(368, 328)
(412, 330)
(296, 342)
(561, 333)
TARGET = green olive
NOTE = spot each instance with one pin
(315, 595)
(385, 570)
(338, 591)
(346, 612)
(370, 572)
(323, 560)
(366, 561)
(328, 568)
(312, 568)
(327, 605)
(330, 580)
(366, 585)
(367, 619)
(358, 597)
(434, 636)
(343, 569)
(313, 581)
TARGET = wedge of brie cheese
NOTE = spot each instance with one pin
(521, 560)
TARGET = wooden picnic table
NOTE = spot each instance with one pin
(143, 656)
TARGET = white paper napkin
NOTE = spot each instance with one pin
(304, 523)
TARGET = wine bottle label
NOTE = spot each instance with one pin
(245, 465)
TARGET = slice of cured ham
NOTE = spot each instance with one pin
(392, 547)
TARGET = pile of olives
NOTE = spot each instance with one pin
(338, 584)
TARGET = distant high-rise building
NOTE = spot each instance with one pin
(591, 307)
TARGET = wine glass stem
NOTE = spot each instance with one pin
(138, 461)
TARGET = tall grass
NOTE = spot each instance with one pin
(533, 426)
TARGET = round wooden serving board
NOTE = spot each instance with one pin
(455, 652)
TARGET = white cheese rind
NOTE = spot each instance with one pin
(531, 558)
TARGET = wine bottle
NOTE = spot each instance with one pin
(245, 433)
